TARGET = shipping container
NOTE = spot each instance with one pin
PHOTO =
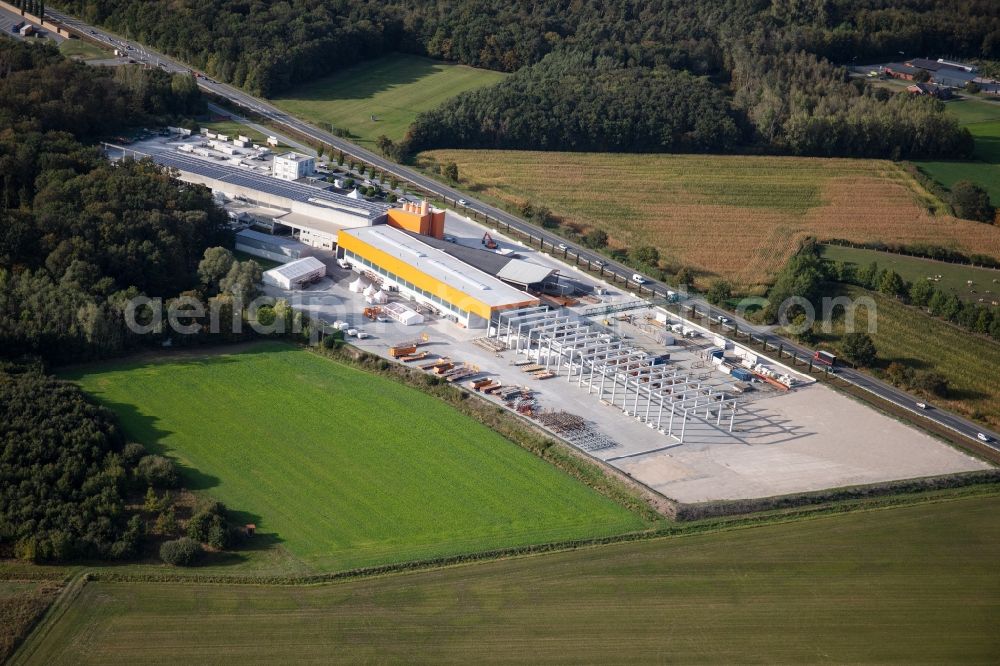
(396, 352)
(742, 374)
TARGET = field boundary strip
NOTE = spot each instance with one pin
(702, 527)
(73, 588)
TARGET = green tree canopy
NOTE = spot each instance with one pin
(860, 348)
(972, 202)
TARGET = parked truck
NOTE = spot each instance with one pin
(825, 358)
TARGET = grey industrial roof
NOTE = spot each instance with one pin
(524, 272)
(485, 260)
(268, 238)
(488, 261)
(439, 265)
(268, 184)
(299, 268)
(953, 77)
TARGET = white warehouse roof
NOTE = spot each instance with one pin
(294, 271)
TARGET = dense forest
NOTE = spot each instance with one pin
(64, 470)
(770, 83)
(79, 234)
(268, 46)
(570, 102)
(71, 486)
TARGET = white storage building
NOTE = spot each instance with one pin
(295, 273)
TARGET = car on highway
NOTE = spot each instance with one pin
(983, 437)
(463, 202)
(922, 405)
(562, 246)
(638, 279)
(723, 320)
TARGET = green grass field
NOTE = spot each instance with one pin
(907, 585)
(343, 468)
(84, 50)
(393, 88)
(954, 277)
(920, 341)
(982, 118)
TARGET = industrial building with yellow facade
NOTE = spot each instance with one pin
(427, 274)
(402, 247)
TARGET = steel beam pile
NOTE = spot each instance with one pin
(622, 375)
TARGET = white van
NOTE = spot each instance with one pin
(638, 279)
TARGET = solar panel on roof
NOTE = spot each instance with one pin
(269, 185)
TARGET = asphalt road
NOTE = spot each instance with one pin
(613, 270)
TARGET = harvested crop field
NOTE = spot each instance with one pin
(739, 217)
(908, 585)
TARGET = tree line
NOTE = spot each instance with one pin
(972, 316)
(807, 276)
(267, 47)
(770, 60)
(79, 237)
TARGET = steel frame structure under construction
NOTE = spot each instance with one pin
(624, 376)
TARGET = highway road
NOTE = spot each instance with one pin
(612, 269)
